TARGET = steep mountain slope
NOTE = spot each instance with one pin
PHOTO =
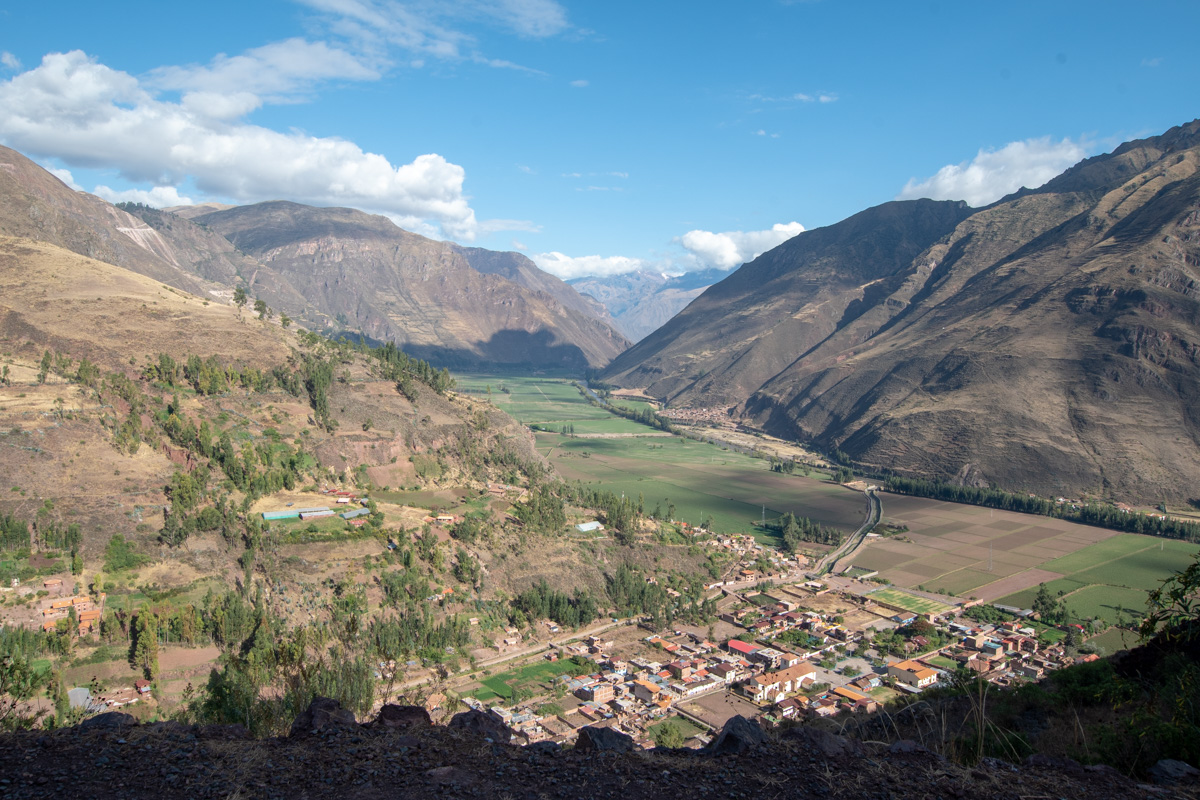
(36, 205)
(745, 329)
(1051, 341)
(92, 434)
(369, 275)
(642, 302)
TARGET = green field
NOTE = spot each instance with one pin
(548, 403)
(1116, 573)
(685, 726)
(910, 602)
(537, 677)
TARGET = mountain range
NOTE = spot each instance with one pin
(1049, 341)
(333, 269)
(641, 302)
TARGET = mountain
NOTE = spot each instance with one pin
(1049, 342)
(459, 305)
(641, 302)
(361, 272)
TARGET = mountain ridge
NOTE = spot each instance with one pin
(1045, 342)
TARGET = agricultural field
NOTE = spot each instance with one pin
(704, 482)
(909, 602)
(549, 403)
(1001, 556)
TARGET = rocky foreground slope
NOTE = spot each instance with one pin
(1048, 342)
(401, 755)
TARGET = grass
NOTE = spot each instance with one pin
(502, 684)
(909, 602)
(1117, 572)
(703, 481)
(684, 725)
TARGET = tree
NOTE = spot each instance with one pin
(260, 308)
(145, 643)
(44, 367)
(668, 734)
(239, 298)
(1175, 606)
(285, 320)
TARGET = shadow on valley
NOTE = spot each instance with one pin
(510, 349)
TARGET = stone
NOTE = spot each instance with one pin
(323, 713)
(450, 776)
(223, 732)
(544, 748)
(108, 721)
(1170, 772)
(484, 724)
(738, 736)
(603, 740)
(825, 743)
(404, 717)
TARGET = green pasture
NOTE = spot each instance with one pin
(548, 403)
(909, 602)
(542, 673)
(703, 481)
(1113, 641)
(1117, 572)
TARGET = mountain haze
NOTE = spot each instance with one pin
(1048, 341)
(641, 301)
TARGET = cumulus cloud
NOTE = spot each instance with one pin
(994, 173)
(729, 249)
(158, 197)
(65, 176)
(9, 60)
(566, 267)
(85, 114)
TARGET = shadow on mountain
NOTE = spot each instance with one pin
(511, 349)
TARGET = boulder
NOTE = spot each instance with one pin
(404, 717)
(483, 724)
(738, 736)
(108, 721)
(823, 742)
(322, 713)
(603, 740)
(223, 732)
(1170, 772)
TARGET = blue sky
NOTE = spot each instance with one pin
(594, 137)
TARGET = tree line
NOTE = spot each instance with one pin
(1101, 516)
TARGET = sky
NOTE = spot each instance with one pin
(594, 137)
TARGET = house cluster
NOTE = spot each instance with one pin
(87, 613)
(1008, 653)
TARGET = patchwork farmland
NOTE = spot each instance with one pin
(1002, 557)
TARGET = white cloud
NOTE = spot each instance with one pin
(1146, 62)
(158, 197)
(566, 267)
(828, 98)
(279, 68)
(65, 176)
(729, 249)
(580, 84)
(85, 114)
(519, 246)
(431, 27)
(528, 170)
(994, 173)
(9, 60)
